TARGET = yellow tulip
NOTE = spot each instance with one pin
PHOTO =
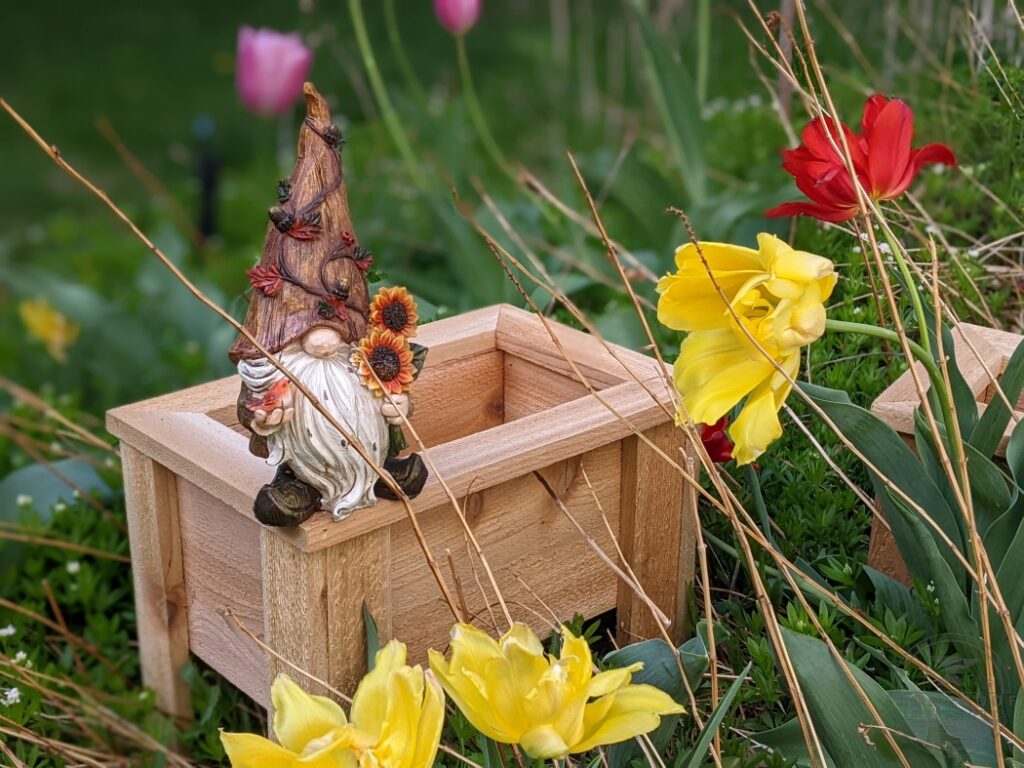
(397, 713)
(515, 694)
(49, 326)
(689, 300)
(749, 348)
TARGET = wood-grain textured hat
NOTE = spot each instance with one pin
(312, 272)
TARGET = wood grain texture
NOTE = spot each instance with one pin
(221, 554)
(522, 334)
(656, 535)
(531, 388)
(158, 576)
(526, 539)
(359, 571)
(295, 612)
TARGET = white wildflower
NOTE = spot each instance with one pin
(931, 586)
(60, 506)
(856, 249)
(73, 567)
(20, 657)
(884, 248)
(973, 253)
(931, 229)
(76, 493)
(24, 500)
(7, 631)
(11, 696)
(858, 310)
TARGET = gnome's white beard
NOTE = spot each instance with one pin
(315, 450)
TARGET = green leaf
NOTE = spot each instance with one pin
(695, 757)
(372, 638)
(992, 424)
(675, 96)
(1015, 453)
(839, 713)
(938, 719)
(661, 669)
(887, 451)
(1018, 724)
(897, 597)
(788, 741)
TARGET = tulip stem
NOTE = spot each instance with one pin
(908, 278)
(923, 356)
(391, 20)
(476, 114)
(391, 121)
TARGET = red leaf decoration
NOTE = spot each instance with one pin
(338, 304)
(274, 397)
(266, 280)
(305, 228)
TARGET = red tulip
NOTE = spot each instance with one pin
(882, 156)
(457, 16)
(270, 69)
(716, 442)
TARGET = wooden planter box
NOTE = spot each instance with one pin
(495, 403)
(979, 351)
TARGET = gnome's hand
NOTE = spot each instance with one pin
(267, 422)
(394, 410)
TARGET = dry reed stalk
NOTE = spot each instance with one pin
(153, 185)
(31, 399)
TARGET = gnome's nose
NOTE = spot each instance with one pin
(321, 342)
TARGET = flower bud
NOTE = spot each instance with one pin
(457, 16)
(270, 69)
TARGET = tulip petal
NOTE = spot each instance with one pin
(470, 695)
(758, 424)
(933, 153)
(820, 212)
(369, 704)
(715, 371)
(889, 142)
(611, 680)
(719, 257)
(874, 104)
(247, 750)
(633, 710)
(300, 718)
(428, 734)
(544, 743)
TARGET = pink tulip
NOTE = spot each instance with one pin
(457, 16)
(270, 69)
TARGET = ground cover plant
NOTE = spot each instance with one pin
(457, 126)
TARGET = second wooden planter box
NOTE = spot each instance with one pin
(981, 354)
(495, 403)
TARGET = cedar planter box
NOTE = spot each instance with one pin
(495, 403)
(981, 353)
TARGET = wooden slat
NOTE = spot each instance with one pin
(360, 572)
(483, 460)
(531, 388)
(160, 597)
(221, 553)
(522, 334)
(526, 539)
(295, 612)
(656, 533)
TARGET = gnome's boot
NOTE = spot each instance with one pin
(286, 500)
(409, 473)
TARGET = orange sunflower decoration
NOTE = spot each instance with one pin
(394, 309)
(387, 355)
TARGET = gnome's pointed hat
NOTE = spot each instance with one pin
(312, 272)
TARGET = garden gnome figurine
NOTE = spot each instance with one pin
(310, 308)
